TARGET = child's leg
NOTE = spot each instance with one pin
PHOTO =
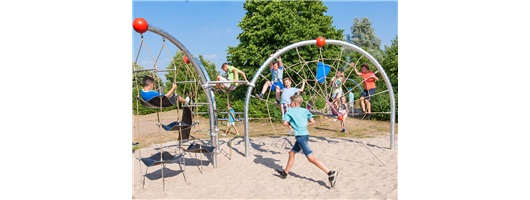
(318, 163)
(368, 106)
(217, 78)
(265, 87)
(237, 132)
(227, 127)
(290, 162)
(362, 104)
(278, 93)
(181, 100)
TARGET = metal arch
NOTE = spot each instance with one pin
(203, 79)
(252, 84)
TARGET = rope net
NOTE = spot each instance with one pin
(322, 82)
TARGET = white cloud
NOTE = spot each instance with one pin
(215, 31)
(213, 56)
(228, 30)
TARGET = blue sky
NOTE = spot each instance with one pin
(209, 28)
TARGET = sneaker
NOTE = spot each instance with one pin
(282, 173)
(223, 134)
(344, 130)
(220, 91)
(291, 131)
(333, 177)
(368, 116)
(259, 96)
(277, 103)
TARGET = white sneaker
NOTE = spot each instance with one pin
(223, 134)
(291, 131)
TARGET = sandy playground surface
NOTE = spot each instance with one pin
(361, 174)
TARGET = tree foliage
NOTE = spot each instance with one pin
(363, 35)
(272, 25)
(269, 26)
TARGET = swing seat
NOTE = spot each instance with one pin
(155, 159)
(155, 101)
(177, 125)
(198, 148)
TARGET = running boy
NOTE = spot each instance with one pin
(276, 68)
(147, 93)
(231, 120)
(297, 117)
(369, 87)
(287, 93)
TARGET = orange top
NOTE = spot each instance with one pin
(369, 83)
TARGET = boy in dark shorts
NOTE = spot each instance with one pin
(298, 117)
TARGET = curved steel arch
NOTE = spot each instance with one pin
(204, 78)
(252, 84)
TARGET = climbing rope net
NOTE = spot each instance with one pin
(318, 74)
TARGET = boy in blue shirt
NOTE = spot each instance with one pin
(287, 93)
(231, 119)
(351, 100)
(297, 117)
(276, 68)
(147, 93)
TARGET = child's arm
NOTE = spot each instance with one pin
(374, 76)
(355, 67)
(303, 85)
(279, 59)
(244, 76)
(232, 114)
(235, 75)
(311, 122)
(168, 94)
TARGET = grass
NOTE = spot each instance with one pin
(149, 132)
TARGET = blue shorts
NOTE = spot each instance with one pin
(302, 143)
(365, 94)
(274, 84)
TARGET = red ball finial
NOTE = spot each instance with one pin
(186, 60)
(341, 117)
(321, 41)
(140, 25)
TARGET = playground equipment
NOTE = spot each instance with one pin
(318, 89)
(201, 79)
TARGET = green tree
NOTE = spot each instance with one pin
(390, 63)
(271, 25)
(363, 35)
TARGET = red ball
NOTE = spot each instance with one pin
(321, 41)
(140, 25)
(186, 60)
(341, 117)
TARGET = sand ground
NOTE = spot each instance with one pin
(361, 174)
